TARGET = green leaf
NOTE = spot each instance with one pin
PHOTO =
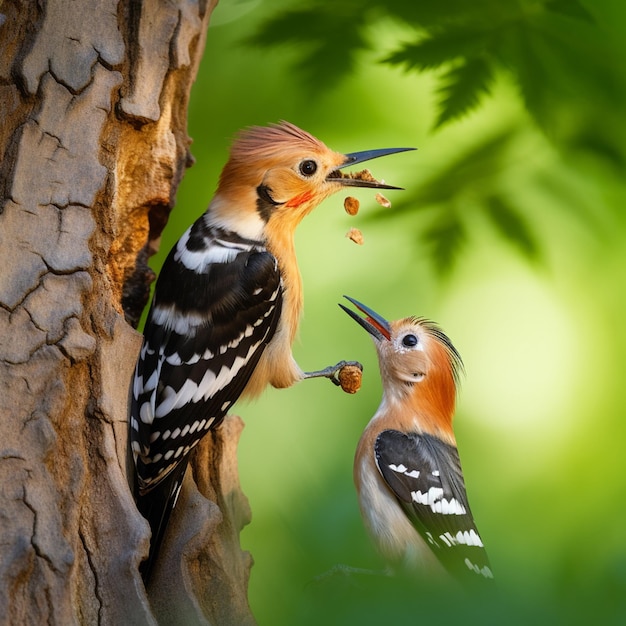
(464, 85)
(564, 70)
(287, 27)
(522, 55)
(431, 13)
(599, 143)
(468, 169)
(570, 8)
(438, 49)
(512, 226)
(445, 240)
(326, 42)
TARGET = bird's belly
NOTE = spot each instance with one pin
(390, 528)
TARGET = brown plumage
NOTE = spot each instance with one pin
(420, 386)
(268, 157)
(227, 305)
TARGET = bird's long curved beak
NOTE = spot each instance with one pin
(374, 324)
(363, 181)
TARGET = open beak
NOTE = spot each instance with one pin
(359, 157)
(374, 324)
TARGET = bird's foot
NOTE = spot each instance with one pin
(345, 374)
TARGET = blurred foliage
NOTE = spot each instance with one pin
(551, 47)
(520, 203)
(564, 66)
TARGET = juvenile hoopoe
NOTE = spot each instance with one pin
(407, 469)
(227, 305)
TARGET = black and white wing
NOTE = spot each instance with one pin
(216, 306)
(425, 474)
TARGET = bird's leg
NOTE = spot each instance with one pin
(332, 371)
(349, 573)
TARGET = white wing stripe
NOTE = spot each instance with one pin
(216, 251)
(137, 385)
(151, 383)
(198, 261)
(145, 413)
(467, 538)
(433, 498)
(208, 386)
(171, 318)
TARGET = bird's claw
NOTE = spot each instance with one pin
(345, 374)
(332, 371)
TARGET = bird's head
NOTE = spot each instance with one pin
(417, 360)
(282, 173)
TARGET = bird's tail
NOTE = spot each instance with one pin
(156, 506)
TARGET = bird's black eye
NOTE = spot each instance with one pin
(308, 167)
(409, 341)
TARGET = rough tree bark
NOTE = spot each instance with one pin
(93, 145)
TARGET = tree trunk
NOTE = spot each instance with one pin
(93, 95)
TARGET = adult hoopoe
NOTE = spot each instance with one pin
(227, 305)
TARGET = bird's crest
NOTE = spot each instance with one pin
(455, 362)
(259, 148)
(267, 141)
(434, 396)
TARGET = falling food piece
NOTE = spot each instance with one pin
(350, 378)
(382, 200)
(351, 205)
(356, 235)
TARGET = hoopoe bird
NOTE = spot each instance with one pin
(407, 469)
(227, 304)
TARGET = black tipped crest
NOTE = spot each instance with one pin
(454, 358)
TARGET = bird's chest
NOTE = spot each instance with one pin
(277, 366)
(292, 294)
(382, 514)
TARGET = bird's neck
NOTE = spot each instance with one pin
(277, 234)
(280, 242)
(244, 220)
(426, 406)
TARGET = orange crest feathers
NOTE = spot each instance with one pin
(265, 141)
(258, 148)
(453, 358)
(440, 388)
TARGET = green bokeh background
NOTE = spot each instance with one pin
(540, 420)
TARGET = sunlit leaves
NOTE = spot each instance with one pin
(446, 235)
(440, 48)
(466, 42)
(533, 42)
(465, 81)
(570, 8)
(470, 172)
(432, 15)
(455, 193)
(462, 88)
(444, 240)
(326, 41)
(563, 66)
(510, 223)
